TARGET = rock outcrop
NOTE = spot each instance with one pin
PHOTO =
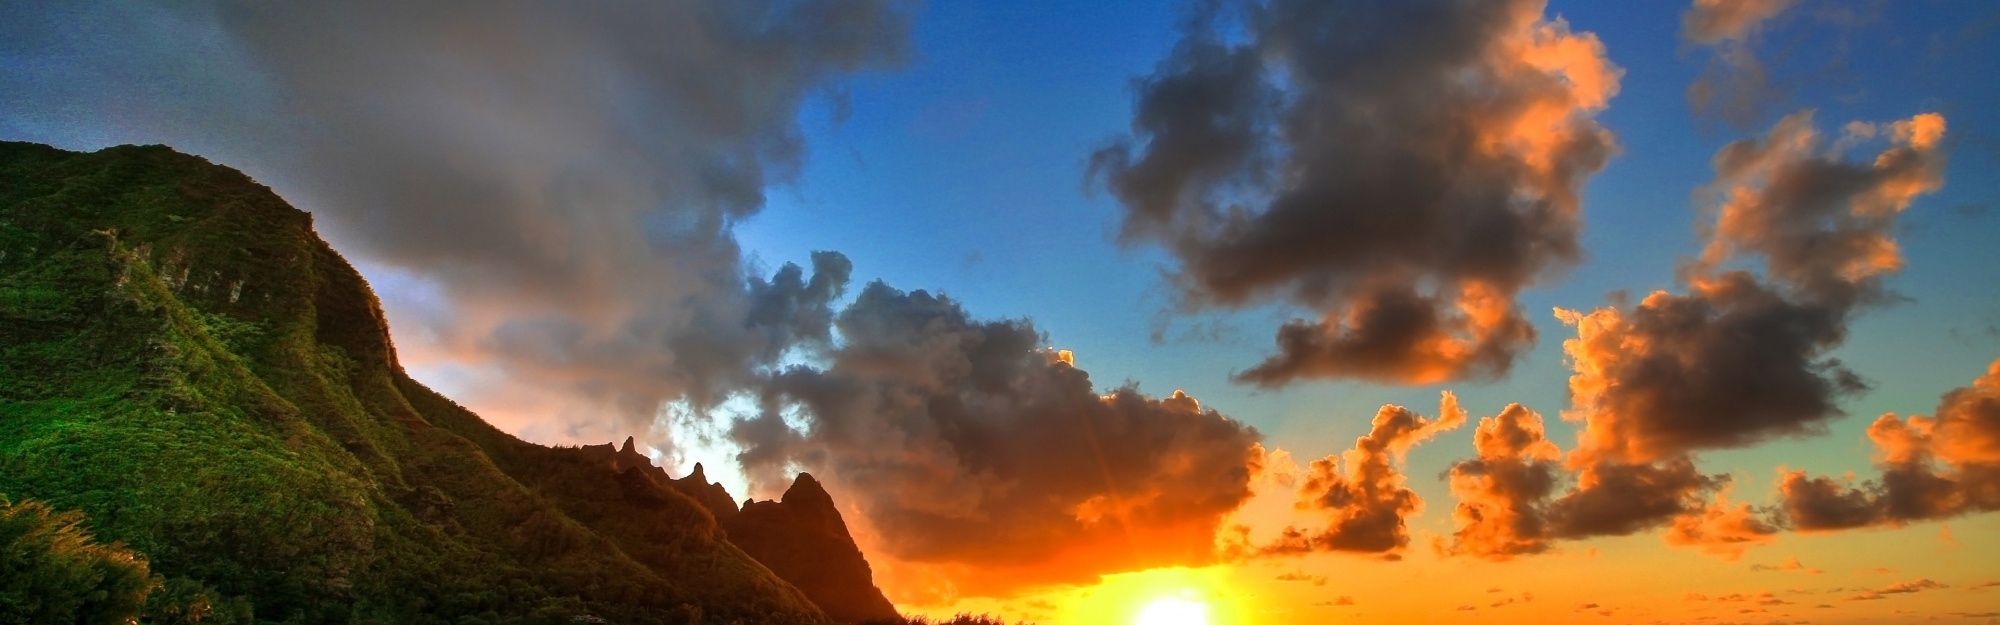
(803, 539)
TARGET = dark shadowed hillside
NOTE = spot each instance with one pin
(804, 540)
(185, 362)
(801, 538)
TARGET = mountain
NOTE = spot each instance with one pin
(186, 363)
(803, 539)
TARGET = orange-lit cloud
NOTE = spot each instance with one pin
(1508, 504)
(1502, 491)
(1714, 21)
(1738, 359)
(1791, 564)
(1931, 467)
(1403, 181)
(985, 462)
(1367, 504)
(1723, 528)
(1899, 588)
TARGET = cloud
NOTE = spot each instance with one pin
(1735, 85)
(549, 194)
(983, 458)
(1723, 529)
(1508, 504)
(1912, 586)
(1619, 499)
(1401, 170)
(1367, 504)
(1716, 21)
(1931, 467)
(1502, 491)
(1791, 564)
(1899, 588)
(1738, 359)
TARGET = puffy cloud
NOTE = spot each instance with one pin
(982, 457)
(1401, 169)
(1368, 504)
(546, 195)
(1819, 503)
(1931, 467)
(1502, 492)
(1508, 502)
(1738, 360)
(1729, 364)
(1617, 499)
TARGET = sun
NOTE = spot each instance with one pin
(1173, 611)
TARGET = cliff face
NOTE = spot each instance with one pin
(183, 360)
(803, 539)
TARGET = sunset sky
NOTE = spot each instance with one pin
(1287, 310)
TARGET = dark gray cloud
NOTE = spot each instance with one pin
(561, 180)
(1617, 499)
(974, 449)
(1400, 169)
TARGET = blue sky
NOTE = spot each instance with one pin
(964, 172)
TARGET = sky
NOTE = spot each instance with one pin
(1351, 311)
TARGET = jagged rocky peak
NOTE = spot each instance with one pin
(809, 501)
(803, 539)
(619, 458)
(711, 495)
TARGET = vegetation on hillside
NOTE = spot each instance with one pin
(184, 362)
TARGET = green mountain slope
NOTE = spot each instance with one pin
(184, 361)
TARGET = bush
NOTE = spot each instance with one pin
(52, 572)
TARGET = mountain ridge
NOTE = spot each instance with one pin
(188, 364)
